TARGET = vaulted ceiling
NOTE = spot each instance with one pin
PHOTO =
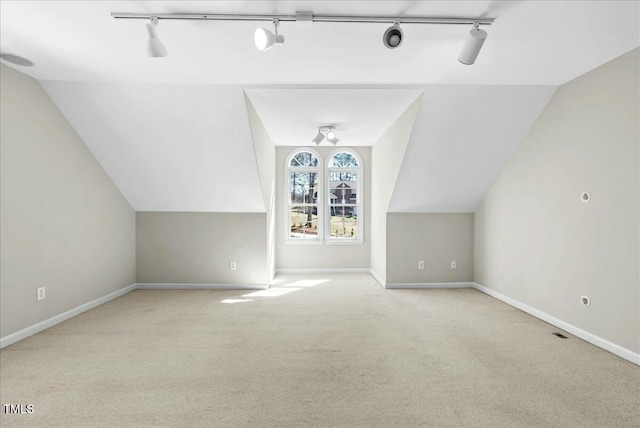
(530, 43)
(173, 132)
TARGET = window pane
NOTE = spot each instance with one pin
(303, 187)
(344, 176)
(344, 222)
(304, 222)
(343, 160)
(304, 159)
(343, 188)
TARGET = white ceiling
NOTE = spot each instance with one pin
(532, 42)
(360, 116)
(168, 147)
(173, 132)
(462, 138)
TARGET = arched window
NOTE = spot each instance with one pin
(344, 197)
(305, 195)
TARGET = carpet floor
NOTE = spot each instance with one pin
(314, 351)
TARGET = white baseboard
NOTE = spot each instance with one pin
(43, 325)
(320, 271)
(377, 278)
(618, 350)
(429, 285)
(188, 286)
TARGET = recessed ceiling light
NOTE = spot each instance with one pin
(15, 59)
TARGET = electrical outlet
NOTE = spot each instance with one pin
(233, 266)
(421, 264)
(40, 293)
(454, 265)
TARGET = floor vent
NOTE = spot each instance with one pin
(560, 335)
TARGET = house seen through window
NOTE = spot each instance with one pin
(343, 196)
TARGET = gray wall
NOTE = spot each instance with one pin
(321, 256)
(436, 239)
(537, 243)
(386, 159)
(196, 248)
(64, 225)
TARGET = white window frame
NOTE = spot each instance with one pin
(359, 199)
(320, 200)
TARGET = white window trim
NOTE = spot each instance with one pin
(359, 202)
(324, 209)
(320, 202)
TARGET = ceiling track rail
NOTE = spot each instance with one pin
(307, 17)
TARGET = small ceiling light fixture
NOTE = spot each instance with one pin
(328, 132)
(331, 135)
(15, 59)
(318, 138)
(392, 37)
(155, 47)
(472, 45)
(333, 141)
(265, 39)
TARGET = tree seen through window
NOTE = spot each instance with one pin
(304, 182)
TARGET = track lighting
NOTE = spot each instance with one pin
(327, 132)
(392, 37)
(472, 45)
(265, 39)
(155, 48)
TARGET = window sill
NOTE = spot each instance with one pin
(303, 242)
(344, 242)
(319, 242)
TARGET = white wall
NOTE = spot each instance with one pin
(265, 152)
(63, 223)
(434, 238)
(386, 159)
(196, 248)
(321, 256)
(538, 243)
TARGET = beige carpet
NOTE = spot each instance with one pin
(341, 352)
